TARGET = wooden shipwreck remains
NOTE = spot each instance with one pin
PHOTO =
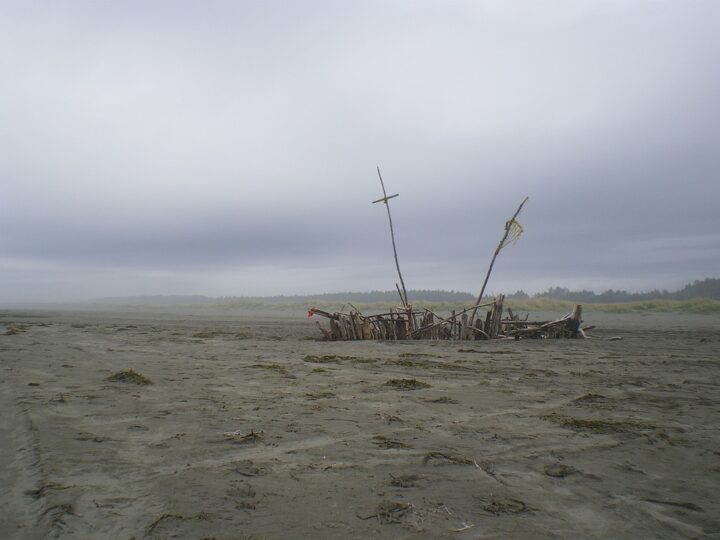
(406, 322)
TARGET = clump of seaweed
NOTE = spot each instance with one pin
(384, 442)
(445, 400)
(447, 458)
(44, 488)
(319, 395)
(324, 359)
(406, 384)
(84, 436)
(590, 398)
(130, 376)
(505, 505)
(404, 363)
(485, 352)
(363, 360)
(209, 334)
(58, 512)
(14, 331)
(389, 418)
(404, 480)
(150, 528)
(271, 367)
(597, 426)
(246, 438)
(332, 358)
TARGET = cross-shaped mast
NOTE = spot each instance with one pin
(385, 198)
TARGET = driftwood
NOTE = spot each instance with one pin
(506, 234)
(405, 322)
(385, 198)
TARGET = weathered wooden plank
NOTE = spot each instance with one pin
(488, 323)
(336, 329)
(366, 330)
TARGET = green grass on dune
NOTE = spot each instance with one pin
(694, 305)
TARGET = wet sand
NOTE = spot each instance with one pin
(254, 429)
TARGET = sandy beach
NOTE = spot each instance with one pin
(252, 428)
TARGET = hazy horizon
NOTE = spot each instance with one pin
(149, 299)
(229, 148)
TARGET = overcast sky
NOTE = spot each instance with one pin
(229, 148)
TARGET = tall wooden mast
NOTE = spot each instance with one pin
(385, 198)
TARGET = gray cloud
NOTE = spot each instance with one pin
(229, 147)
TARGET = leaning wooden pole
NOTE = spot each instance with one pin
(385, 198)
(492, 262)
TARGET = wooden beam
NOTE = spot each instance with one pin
(386, 199)
(497, 252)
(392, 235)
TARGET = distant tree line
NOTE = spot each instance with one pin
(707, 288)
